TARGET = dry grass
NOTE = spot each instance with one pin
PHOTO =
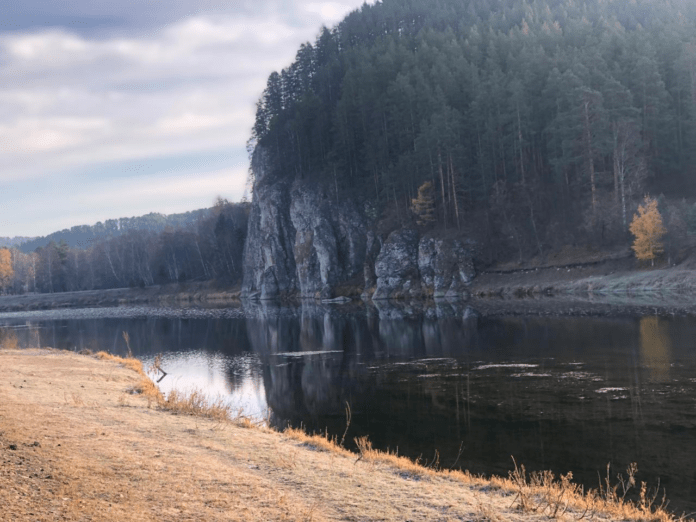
(119, 459)
(194, 402)
(543, 493)
(539, 493)
(131, 363)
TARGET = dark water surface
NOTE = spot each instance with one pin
(560, 393)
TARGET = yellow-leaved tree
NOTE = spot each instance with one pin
(6, 271)
(648, 230)
(424, 205)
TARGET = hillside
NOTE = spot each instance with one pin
(202, 245)
(537, 123)
(82, 236)
(417, 144)
(9, 242)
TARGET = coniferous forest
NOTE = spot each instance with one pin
(537, 123)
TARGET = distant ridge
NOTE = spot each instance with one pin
(82, 236)
(9, 242)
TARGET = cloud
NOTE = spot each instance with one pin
(330, 12)
(72, 99)
(93, 99)
(85, 200)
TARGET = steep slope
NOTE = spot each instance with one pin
(537, 124)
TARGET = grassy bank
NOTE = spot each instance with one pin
(91, 438)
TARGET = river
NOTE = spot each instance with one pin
(463, 385)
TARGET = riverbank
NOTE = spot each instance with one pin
(616, 276)
(77, 444)
(172, 294)
(613, 279)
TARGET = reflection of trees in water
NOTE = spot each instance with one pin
(8, 339)
(24, 335)
(655, 347)
(560, 421)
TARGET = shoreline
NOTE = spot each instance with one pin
(611, 281)
(173, 294)
(78, 443)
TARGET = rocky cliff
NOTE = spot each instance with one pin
(302, 242)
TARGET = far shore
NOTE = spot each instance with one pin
(613, 280)
(86, 437)
(172, 294)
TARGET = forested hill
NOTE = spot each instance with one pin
(13, 241)
(84, 236)
(537, 122)
(201, 245)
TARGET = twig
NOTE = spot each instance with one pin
(349, 416)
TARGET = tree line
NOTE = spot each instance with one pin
(537, 123)
(82, 236)
(209, 248)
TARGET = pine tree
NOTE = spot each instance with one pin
(648, 230)
(424, 205)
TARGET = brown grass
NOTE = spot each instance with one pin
(537, 493)
(195, 402)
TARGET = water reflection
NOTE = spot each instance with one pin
(655, 347)
(561, 393)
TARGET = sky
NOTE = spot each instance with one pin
(114, 109)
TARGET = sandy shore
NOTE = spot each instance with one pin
(76, 444)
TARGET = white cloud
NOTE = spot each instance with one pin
(36, 135)
(70, 101)
(169, 191)
(330, 12)
(76, 201)
(190, 79)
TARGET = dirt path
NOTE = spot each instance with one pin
(76, 445)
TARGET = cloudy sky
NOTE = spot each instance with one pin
(113, 108)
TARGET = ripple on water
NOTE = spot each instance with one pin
(505, 365)
(611, 390)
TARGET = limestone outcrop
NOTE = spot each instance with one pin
(396, 267)
(446, 267)
(302, 241)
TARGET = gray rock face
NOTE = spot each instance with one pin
(446, 267)
(299, 241)
(374, 245)
(407, 267)
(269, 266)
(396, 267)
(315, 247)
(303, 242)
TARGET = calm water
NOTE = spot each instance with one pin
(561, 393)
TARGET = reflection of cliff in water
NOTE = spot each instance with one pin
(319, 360)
